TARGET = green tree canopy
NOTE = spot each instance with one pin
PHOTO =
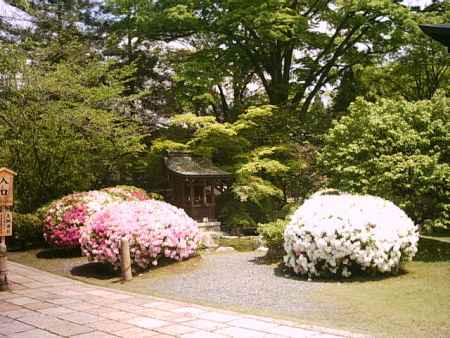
(60, 128)
(397, 150)
(294, 47)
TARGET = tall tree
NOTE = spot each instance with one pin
(59, 124)
(416, 72)
(294, 47)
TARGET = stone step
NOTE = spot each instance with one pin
(209, 226)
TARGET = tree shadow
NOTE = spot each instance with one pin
(55, 253)
(97, 270)
(105, 270)
(357, 277)
(268, 259)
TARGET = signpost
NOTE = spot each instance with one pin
(5, 223)
(6, 202)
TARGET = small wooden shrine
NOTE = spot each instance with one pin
(194, 183)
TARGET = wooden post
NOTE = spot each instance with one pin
(3, 266)
(125, 260)
(204, 186)
(6, 202)
(192, 192)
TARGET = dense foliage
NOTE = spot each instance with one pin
(272, 234)
(343, 234)
(93, 93)
(27, 232)
(395, 149)
(59, 129)
(154, 229)
(269, 168)
(263, 38)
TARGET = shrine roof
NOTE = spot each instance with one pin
(439, 32)
(192, 166)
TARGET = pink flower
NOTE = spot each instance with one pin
(65, 216)
(153, 228)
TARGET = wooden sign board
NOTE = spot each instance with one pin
(6, 187)
(5, 223)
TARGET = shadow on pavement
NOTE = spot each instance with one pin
(95, 270)
(53, 253)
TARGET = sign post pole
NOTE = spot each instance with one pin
(6, 202)
(3, 264)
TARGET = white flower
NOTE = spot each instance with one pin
(330, 234)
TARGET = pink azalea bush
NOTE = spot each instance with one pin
(154, 229)
(64, 217)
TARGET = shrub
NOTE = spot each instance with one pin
(127, 192)
(272, 234)
(27, 231)
(397, 150)
(155, 196)
(64, 217)
(341, 234)
(154, 229)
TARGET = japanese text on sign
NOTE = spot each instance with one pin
(5, 223)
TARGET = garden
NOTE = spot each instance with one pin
(332, 121)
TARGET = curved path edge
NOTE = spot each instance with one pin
(42, 305)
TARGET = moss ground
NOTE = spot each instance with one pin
(242, 244)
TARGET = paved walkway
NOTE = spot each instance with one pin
(43, 305)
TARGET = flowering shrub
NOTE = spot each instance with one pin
(340, 234)
(154, 229)
(64, 217)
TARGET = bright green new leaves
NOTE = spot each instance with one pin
(161, 146)
(395, 149)
(256, 178)
(247, 147)
(192, 121)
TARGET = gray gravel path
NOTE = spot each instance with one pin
(231, 280)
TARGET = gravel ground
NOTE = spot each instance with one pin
(238, 280)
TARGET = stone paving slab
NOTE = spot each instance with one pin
(42, 305)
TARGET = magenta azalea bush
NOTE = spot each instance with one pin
(154, 229)
(64, 217)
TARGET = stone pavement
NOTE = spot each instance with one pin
(43, 305)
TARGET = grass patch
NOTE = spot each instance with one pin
(415, 303)
(242, 244)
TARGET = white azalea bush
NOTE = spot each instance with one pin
(340, 234)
